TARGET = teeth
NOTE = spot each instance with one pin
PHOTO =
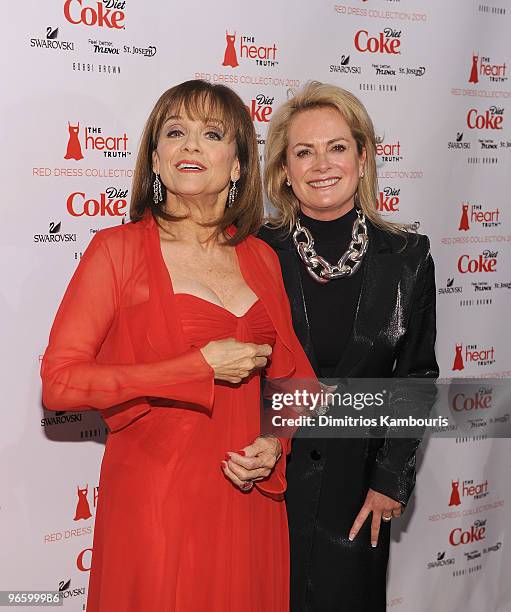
(189, 167)
(324, 183)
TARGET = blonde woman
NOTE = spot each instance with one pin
(363, 305)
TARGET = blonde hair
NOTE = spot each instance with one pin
(320, 95)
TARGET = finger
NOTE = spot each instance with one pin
(375, 529)
(232, 476)
(396, 512)
(359, 521)
(247, 475)
(261, 446)
(259, 350)
(260, 362)
(249, 463)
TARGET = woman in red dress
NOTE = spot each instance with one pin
(166, 327)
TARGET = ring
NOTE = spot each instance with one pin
(387, 519)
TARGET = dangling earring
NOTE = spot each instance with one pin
(288, 183)
(157, 194)
(362, 174)
(233, 192)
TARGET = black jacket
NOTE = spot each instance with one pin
(393, 335)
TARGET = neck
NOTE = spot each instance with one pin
(328, 214)
(197, 211)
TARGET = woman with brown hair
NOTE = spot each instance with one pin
(362, 293)
(166, 328)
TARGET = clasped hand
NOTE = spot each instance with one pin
(232, 361)
(252, 463)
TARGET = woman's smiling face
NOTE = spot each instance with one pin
(195, 157)
(323, 164)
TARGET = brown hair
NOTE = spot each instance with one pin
(202, 100)
(320, 95)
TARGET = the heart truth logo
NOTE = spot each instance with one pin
(95, 140)
(482, 66)
(82, 511)
(468, 489)
(247, 48)
(473, 355)
(474, 213)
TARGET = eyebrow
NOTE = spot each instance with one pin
(308, 144)
(209, 120)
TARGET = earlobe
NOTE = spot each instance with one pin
(156, 164)
(236, 172)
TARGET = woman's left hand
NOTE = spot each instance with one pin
(382, 507)
(252, 463)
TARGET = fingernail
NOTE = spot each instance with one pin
(242, 453)
(227, 457)
(224, 464)
(351, 537)
(373, 544)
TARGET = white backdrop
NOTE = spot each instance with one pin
(80, 77)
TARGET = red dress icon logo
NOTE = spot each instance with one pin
(474, 78)
(464, 225)
(74, 148)
(455, 494)
(82, 507)
(230, 57)
(458, 359)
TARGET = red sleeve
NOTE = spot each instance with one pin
(73, 378)
(275, 485)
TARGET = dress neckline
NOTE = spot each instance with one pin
(222, 308)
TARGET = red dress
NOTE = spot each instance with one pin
(122, 342)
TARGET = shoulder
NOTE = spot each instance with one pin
(117, 238)
(406, 244)
(262, 249)
(278, 238)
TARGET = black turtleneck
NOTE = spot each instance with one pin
(330, 306)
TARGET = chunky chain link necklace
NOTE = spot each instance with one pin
(318, 267)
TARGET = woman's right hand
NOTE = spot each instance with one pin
(233, 361)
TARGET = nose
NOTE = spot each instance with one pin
(322, 161)
(191, 142)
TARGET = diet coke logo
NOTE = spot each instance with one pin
(491, 119)
(260, 109)
(110, 203)
(107, 14)
(476, 533)
(84, 560)
(388, 200)
(386, 42)
(472, 400)
(485, 262)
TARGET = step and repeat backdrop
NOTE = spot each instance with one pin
(81, 76)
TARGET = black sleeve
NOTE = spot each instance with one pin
(394, 469)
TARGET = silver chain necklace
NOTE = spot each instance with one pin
(318, 267)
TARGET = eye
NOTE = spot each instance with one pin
(339, 147)
(214, 135)
(174, 133)
(302, 153)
